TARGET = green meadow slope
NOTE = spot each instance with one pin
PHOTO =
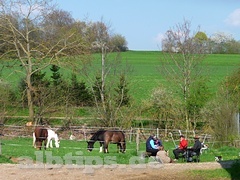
(145, 75)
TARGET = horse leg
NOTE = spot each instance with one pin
(101, 147)
(48, 141)
(51, 146)
(105, 147)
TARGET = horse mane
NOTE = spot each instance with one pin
(97, 134)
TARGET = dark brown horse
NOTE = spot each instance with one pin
(41, 135)
(108, 136)
(97, 136)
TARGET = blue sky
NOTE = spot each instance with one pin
(143, 23)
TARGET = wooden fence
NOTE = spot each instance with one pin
(84, 132)
(138, 135)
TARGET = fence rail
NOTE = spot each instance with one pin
(138, 135)
(84, 132)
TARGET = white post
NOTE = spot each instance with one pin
(137, 139)
(130, 136)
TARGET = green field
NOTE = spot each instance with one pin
(145, 75)
(22, 147)
(74, 154)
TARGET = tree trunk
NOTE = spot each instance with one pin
(29, 97)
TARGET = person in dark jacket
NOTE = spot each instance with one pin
(195, 150)
(150, 145)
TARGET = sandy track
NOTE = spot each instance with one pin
(152, 170)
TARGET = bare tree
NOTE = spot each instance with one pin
(183, 55)
(23, 30)
(104, 79)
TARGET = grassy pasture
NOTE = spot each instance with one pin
(145, 75)
(74, 153)
(22, 147)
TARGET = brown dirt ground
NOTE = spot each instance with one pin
(151, 171)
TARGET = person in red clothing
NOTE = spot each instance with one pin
(181, 148)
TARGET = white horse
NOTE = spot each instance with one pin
(51, 136)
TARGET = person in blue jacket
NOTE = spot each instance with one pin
(150, 145)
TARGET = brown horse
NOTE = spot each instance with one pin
(105, 137)
(114, 137)
(41, 135)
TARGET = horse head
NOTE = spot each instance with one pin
(90, 145)
(97, 136)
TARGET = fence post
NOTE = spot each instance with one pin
(137, 139)
(130, 136)
(157, 132)
(84, 132)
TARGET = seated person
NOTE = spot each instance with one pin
(158, 142)
(150, 146)
(195, 150)
(163, 155)
(181, 148)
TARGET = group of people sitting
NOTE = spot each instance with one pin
(183, 148)
(155, 147)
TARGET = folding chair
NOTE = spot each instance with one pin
(196, 155)
(184, 156)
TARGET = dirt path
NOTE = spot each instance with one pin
(143, 172)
